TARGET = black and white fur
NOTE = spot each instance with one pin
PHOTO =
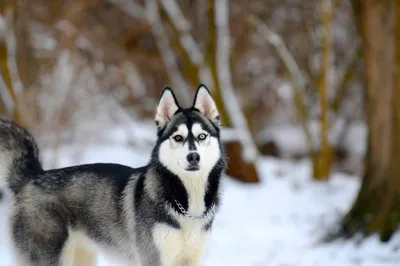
(130, 214)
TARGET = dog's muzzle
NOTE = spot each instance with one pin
(193, 158)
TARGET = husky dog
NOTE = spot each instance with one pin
(159, 214)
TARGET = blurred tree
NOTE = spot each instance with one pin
(242, 152)
(323, 162)
(303, 78)
(73, 52)
(8, 67)
(377, 207)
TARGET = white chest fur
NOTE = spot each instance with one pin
(195, 186)
(180, 246)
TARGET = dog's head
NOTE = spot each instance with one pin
(188, 139)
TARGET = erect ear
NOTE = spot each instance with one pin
(206, 104)
(167, 106)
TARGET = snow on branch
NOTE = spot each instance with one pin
(239, 121)
(6, 97)
(133, 79)
(298, 78)
(11, 42)
(275, 40)
(151, 13)
(167, 53)
(183, 26)
(189, 45)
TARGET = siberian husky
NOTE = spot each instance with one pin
(159, 214)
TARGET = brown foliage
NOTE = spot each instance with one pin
(103, 37)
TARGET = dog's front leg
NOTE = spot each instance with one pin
(168, 241)
(195, 253)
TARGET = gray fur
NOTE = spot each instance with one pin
(115, 206)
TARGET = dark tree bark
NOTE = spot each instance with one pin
(377, 207)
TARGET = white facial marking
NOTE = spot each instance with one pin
(173, 155)
(183, 133)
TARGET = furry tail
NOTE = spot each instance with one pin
(19, 156)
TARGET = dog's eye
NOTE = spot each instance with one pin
(202, 136)
(178, 138)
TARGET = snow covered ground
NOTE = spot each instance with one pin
(276, 223)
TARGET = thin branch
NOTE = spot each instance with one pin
(9, 65)
(131, 8)
(276, 41)
(186, 42)
(183, 27)
(11, 43)
(346, 77)
(6, 97)
(167, 53)
(151, 13)
(298, 78)
(133, 79)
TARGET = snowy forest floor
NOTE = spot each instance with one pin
(275, 223)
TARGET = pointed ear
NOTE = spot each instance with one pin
(167, 106)
(206, 104)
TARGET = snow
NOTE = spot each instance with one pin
(291, 139)
(276, 223)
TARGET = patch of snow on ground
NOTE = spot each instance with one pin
(275, 223)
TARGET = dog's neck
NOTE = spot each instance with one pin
(197, 193)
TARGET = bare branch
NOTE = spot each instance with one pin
(298, 79)
(5, 96)
(9, 67)
(166, 51)
(276, 41)
(238, 119)
(133, 79)
(11, 43)
(131, 8)
(346, 77)
(151, 13)
(183, 27)
(186, 41)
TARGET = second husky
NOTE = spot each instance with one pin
(157, 215)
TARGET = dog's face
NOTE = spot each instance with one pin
(188, 138)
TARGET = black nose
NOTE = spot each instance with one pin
(193, 158)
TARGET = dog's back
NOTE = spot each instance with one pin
(49, 205)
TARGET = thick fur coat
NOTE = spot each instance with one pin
(159, 214)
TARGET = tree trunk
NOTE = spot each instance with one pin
(322, 163)
(8, 11)
(377, 207)
(238, 166)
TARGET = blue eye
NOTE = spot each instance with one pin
(202, 136)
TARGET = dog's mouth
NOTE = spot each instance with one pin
(193, 168)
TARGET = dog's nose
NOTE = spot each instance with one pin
(193, 158)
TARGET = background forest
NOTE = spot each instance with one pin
(308, 92)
